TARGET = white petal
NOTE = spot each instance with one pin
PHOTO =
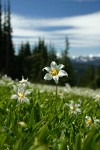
(96, 120)
(78, 110)
(72, 102)
(23, 81)
(28, 91)
(48, 76)
(14, 96)
(20, 100)
(87, 117)
(71, 107)
(60, 66)
(77, 105)
(47, 69)
(53, 65)
(21, 88)
(26, 100)
(15, 88)
(62, 73)
(56, 79)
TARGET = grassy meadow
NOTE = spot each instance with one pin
(49, 117)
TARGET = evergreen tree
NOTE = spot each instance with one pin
(97, 77)
(8, 50)
(39, 60)
(87, 79)
(1, 56)
(0, 22)
(25, 50)
(24, 60)
(20, 60)
(51, 54)
(68, 66)
(2, 44)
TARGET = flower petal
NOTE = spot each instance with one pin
(62, 73)
(15, 88)
(28, 91)
(56, 79)
(47, 69)
(53, 65)
(48, 76)
(26, 100)
(14, 96)
(60, 66)
(20, 100)
(78, 110)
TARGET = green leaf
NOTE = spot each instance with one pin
(3, 138)
(77, 145)
(88, 145)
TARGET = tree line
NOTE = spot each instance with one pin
(30, 61)
(91, 77)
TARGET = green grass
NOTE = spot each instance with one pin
(47, 121)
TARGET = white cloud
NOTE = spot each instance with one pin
(82, 31)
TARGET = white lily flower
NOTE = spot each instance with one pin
(54, 72)
(97, 98)
(74, 108)
(23, 124)
(21, 94)
(90, 121)
(23, 81)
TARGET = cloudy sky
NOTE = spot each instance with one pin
(54, 20)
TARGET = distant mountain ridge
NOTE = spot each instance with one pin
(81, 63)
(95, 60)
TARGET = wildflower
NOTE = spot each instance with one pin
(97, 98)
(67, 88)
(22, 124)
(5, 80)
(74, 108)
(90, 121)
(21, 94)
(54, 72)
(23, 81)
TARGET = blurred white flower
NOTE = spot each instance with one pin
(23, 124)
(6, 81)
(54, 72)
(74, 108)
(21, 94)
(97, 97)
(90, 121)
(23, 81)
(67, 88)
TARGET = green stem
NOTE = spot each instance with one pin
(19, 111)
(56, 91)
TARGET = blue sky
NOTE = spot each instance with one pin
(54, 20)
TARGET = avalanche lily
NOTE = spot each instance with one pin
(22, 124)
(54, 72)
(21, 94)
(90, 121)
(74, 108)
(23, 81)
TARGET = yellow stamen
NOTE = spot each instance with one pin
(74, 108)
(21, 95)
(89, 122)
(54, 72)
